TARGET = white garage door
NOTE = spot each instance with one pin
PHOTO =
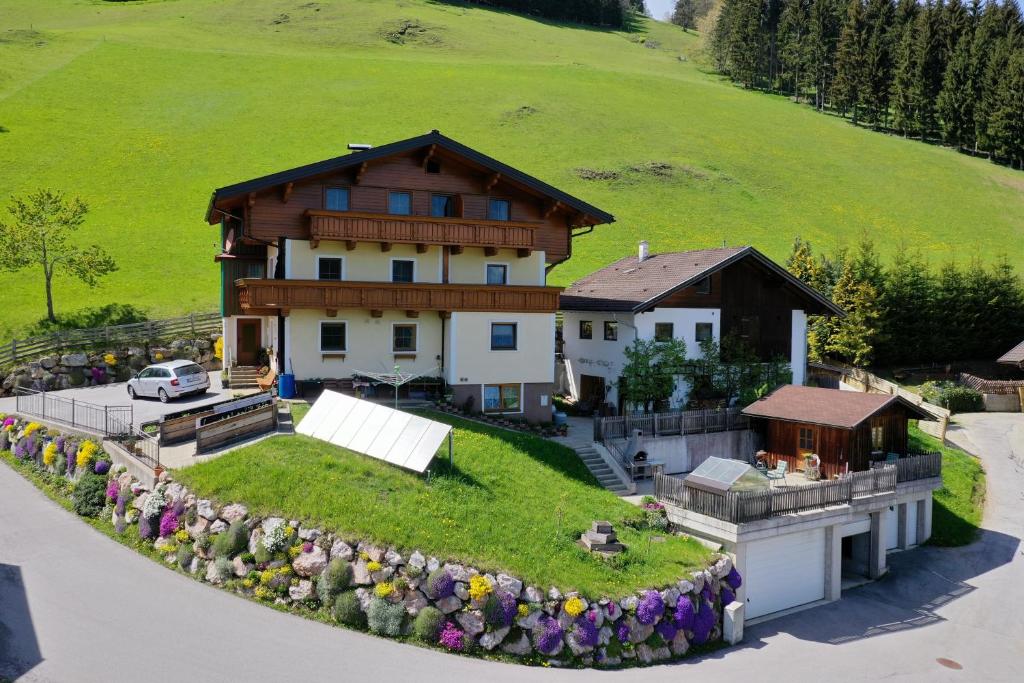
(785, 571)
(912, 523)
(891, 522)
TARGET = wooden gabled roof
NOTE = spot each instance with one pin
(827, 407)
(631, 285)
(593, 214)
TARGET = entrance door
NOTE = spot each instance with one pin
(248, 341)
(592, 390)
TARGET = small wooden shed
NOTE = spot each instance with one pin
(847, 430)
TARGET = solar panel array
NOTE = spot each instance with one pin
(401, 439)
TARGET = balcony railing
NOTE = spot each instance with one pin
(347, 226)
(377, 296)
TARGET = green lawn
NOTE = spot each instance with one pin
(514, 502)
(144, 107)
(958, 505)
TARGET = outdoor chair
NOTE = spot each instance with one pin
(892, 458)
(267, 381)
(779, 472)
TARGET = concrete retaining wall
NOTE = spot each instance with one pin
(685, 453)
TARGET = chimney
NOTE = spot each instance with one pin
(359, 147)
(644, 251)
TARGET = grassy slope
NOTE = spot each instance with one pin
(143, 108)
(515, 503)
(958, 505)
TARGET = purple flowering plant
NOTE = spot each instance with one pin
(452, 637)
(441, 583)
(703, 623)
(168, 522)
(734, 579)
(585, 632)
(547, 635)
(650, 608)
(112, 490)
(666, 629)
(622, 632)
(685, 614)
(101, 466)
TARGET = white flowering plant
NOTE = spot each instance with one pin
(154, 504)
(275, 537)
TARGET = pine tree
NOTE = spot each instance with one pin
(852, 337)
(930, 62)
(1006, 123)
(906, 300)
(878, 60)
(996, 66)
(826, 21)
(956, 101)
(746, 42)
(957, 23)
(904, 101)
(802, 264)
(850, 65)
(987, 33)
(685, 14)
(794, 44)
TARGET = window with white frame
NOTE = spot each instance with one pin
(329, 268)
(333, 336)
(502, 398)
(497, 274)
(403, 270)
(403, 337)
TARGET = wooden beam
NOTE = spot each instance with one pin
(429, 155)
(350, 245)
(551, 208)
(412, 314)
(252, 199)
(421, 248)
(283, 312)
(444, 315)
(287, 192)
(490, 251)
(385, 246)
(492, 180)
(360, 172)
(314, 243)
(524, 253)
(376, 313)
(332, 312)
(455, 249)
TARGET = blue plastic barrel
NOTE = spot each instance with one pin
(560, 419)
(286, 385)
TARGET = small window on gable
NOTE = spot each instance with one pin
(703, 286)
(400, 203)
(497, 274)
(499, 210)
(586, 329)
(806, 442)
(704, 332)
(664, 332)
(877, 435)
(433, 166)
(336, 199)
(611, 330)
(329, 268)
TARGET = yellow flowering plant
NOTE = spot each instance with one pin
(364, 556)
(85, 453)
(218, 349)
(373, 566)
(182, 536)
(479, 587)
(384, 589)
(158, 356)
(32, 427)
(523, 610)
(110, 359)
(574, 607)
(50, 454)
(294, 551)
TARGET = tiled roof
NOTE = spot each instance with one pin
(829, 407)
(1014, 356)
(629, 283)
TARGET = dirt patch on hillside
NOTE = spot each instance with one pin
(407, 31)
(23, 36)
(646, 171)
(518, 114)
(596, 174)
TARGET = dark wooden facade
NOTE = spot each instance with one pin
(840, 449)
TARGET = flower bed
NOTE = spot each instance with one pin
(392, 593)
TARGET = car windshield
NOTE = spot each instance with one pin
(187, 370)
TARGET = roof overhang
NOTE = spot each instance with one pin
(588, 215)
(915, 411)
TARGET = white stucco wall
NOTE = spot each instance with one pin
(595, 356)
(368, 343)
(798, 347)
(471, 360)
(365, 263)
(470, 267)
(268, 335)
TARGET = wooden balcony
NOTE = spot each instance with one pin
(284, 295)
(352, 227)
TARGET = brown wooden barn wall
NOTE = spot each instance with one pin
(750, 291)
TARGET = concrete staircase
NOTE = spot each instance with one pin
(243, 376)
(600, 469)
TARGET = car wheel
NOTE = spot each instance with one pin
(164, 398)
(131, 394)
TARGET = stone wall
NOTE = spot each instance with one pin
(390, 591)
(91, 368)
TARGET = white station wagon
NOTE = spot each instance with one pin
(168, 380)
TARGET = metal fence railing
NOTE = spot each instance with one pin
(32, 348)
(750, 506)
(670, 424)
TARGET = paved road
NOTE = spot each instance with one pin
(145, 409)
(75, 606)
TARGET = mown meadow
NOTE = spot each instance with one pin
(143, 108)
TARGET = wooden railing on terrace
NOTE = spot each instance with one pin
(377, 296)
(670, 424)
(738, 507)
(347, 226)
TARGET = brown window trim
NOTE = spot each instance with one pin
(332, 356)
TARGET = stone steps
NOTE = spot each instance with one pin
(243, 377)
(604, 474)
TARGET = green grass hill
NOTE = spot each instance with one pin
(142, 108)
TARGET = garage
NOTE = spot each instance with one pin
(891, 524)
(785, 571)
(912, 522)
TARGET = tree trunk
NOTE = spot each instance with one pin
(49, 295)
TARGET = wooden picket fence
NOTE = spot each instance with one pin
(32, 348)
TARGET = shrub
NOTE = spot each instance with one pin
(348, 611)
(440, 583)
(335, 578)
(261, 554)
(384, 618)
(232, 540)
(225, 570)
(428, 624)
(90, 493)
(184, 556)
(959, 399)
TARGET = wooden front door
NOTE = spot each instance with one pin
(248, 341)
(592, 391)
